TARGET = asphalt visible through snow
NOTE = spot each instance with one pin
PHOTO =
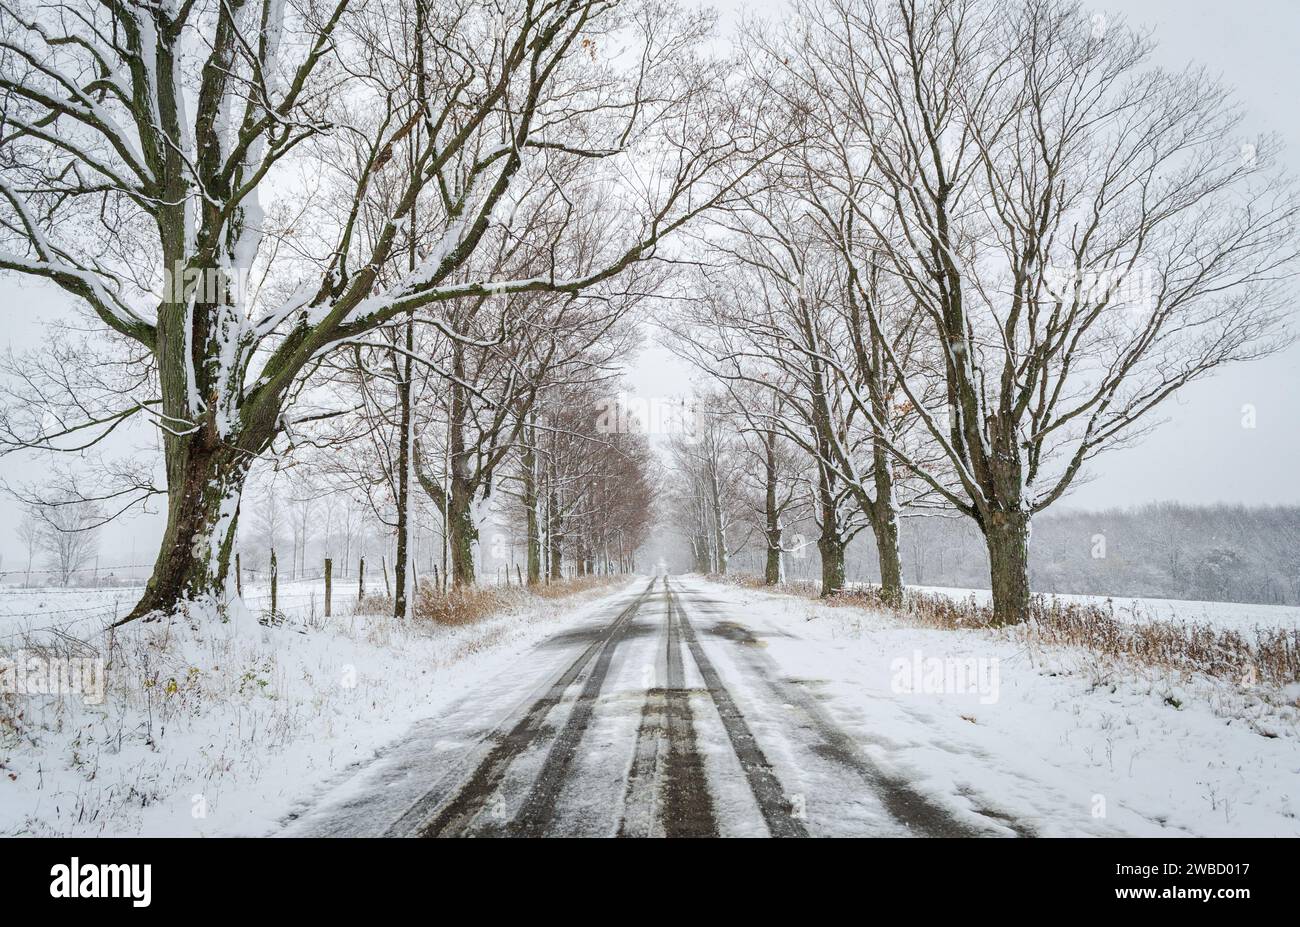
(663, 717)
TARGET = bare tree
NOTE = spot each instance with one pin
(67, 531)
(774, 491)
(29, 533)
(706, 460)
(769, 319)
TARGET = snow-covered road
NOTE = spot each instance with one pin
(663, 714)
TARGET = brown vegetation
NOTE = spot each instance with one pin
(1268, 656)
(465, 605)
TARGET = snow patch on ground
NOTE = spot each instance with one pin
(220, 729)
(1070, 745)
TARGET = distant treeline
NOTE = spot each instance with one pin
(1219, 553)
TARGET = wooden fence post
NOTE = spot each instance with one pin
(361, 580)
(329, 583)
(275, 576)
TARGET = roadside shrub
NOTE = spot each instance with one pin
(460, 605)
(565, 587)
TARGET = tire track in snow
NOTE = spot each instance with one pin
(456, 814)
(905, 804)
(537, 813)
(668, 797)
(772, 801)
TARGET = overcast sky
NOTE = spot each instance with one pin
(1201, 454)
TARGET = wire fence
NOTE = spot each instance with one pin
(48, 600)
(66, 602)
(76, 580)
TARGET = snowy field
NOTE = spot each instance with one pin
(74, 610)
(85, 610)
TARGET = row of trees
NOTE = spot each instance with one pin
(584, 509)
(1217, 553)
(997, 239)
(942, 253)
(402, 238)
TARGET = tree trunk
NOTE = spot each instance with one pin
(719, 531)
(534, 546)
(557, 567)
(831, 543)
(703, 554)
(831, 549)
(403, 477)
(1007, 537)
(214, 430)
(553, 538)
(885, 526)
(193, 565)
(464, 533)
(774, 570)
(530, 500)
(884, 523)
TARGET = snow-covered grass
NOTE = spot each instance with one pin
(1239, 616)
(36, 609)
(1266, 652)
(219, 728)
(1064, 740)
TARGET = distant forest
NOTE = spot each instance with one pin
(1220, 553)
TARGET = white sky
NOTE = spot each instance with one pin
(1200, 455)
